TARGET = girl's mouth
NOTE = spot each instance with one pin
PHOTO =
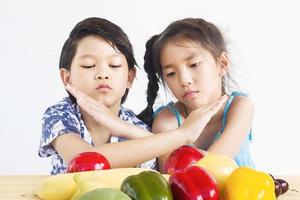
(190, 93)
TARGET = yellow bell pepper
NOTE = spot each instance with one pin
(245, 183)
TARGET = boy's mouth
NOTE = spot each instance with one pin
(103, 86)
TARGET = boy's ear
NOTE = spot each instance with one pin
(224, 63)
(131, 76)
(65, 76)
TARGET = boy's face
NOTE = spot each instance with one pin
(191, 73)
(100, 71)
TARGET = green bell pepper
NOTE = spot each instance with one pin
(147, 185)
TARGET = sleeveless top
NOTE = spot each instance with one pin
(243, 157)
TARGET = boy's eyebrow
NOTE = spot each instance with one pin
(86, 56)
(91, 56)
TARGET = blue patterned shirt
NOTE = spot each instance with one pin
(65, 117)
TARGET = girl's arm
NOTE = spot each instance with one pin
(239, 120)
(163, 122)
(238, 125)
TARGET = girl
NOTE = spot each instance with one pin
(97, 58)
(191, 58)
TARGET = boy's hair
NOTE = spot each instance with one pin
(190, 29)
(103, 28)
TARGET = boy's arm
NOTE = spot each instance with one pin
(128, 153)
(238, 125)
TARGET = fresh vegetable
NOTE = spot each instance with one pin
(88, 161)
(194, 183)
(147, 185)
(219, 166)
(182, 158)
(250, 184)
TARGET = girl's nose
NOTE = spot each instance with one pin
(186, 79)
(184, 84)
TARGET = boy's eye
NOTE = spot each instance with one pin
(88, 66)
(115, 66)
(170, 74)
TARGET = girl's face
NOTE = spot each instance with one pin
(191, 72)
(99, 70)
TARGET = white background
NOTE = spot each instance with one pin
(263, 37)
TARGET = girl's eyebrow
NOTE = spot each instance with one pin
(166, 67)
(185, 59)
(191, 57)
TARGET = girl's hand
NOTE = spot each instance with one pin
(103, 115)
(94, 108)
(198, 118)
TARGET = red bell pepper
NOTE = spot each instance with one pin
(194, 183)
(182, 158)
(88, 161)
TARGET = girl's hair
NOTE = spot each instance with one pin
(103, 28)
(190, 29)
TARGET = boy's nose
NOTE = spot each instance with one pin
(100, 77)
(101, 73)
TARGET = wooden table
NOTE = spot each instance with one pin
(20, 187)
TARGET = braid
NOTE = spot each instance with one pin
(152, 88)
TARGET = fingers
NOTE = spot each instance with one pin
(202, 116)
(80, 96)
(213, 109)
(77, 93)
(215, 105)
(90, 105)
(83, 100)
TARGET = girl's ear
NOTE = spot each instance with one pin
(131, 76)
(65, 76)
(224, 62)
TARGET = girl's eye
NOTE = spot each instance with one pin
(88, 66)
(170, 74)
(115, 66)
(195, 64)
